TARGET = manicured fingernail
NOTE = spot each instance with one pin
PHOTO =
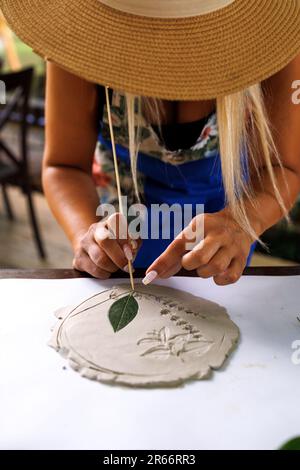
(128, 252)
(126, 269)
(150, 277)
(101, 233)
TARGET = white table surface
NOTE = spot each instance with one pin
(253, 403)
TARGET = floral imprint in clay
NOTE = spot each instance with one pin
(165, 338)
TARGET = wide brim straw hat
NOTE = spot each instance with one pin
(171, 49)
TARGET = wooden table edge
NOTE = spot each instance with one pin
(139, 273)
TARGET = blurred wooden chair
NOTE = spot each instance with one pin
(14, 165)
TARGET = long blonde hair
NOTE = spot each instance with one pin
(244, 129)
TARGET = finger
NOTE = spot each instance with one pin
(217, 265)
(170, 261)
(232, 274)
(117, 227)
(171, 272)
(105, 238)
(173, 255)
(194, 233)
(114, 251)
(202, 254)
(84, 264)
(100, 258)
(167, 260)
(131, 249)
(117, 224)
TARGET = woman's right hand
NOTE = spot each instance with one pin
(105, 248)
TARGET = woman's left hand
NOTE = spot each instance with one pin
(222, 254)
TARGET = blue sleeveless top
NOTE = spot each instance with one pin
(185, 176)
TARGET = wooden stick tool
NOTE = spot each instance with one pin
(130, 269)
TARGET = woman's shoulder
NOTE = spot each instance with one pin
(64, 74)
(69, 94)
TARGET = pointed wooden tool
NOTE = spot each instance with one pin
(117, 172)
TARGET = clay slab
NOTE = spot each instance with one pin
(175, 337)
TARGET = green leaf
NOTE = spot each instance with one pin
(122, 312)
(294, 444)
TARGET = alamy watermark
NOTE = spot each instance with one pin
(158, 221)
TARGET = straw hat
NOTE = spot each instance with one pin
(172, 49)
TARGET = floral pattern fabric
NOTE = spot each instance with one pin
(206, 146)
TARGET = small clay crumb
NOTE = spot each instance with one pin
(181, 323)
(165, 311)
(113, 294)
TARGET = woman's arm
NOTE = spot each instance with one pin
(71, 136)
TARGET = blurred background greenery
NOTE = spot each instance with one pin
(27, 58)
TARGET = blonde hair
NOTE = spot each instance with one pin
(244, 130)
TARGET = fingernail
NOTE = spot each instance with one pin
(126, 269)
(101, 234)
(150, 277)
(128, 252)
